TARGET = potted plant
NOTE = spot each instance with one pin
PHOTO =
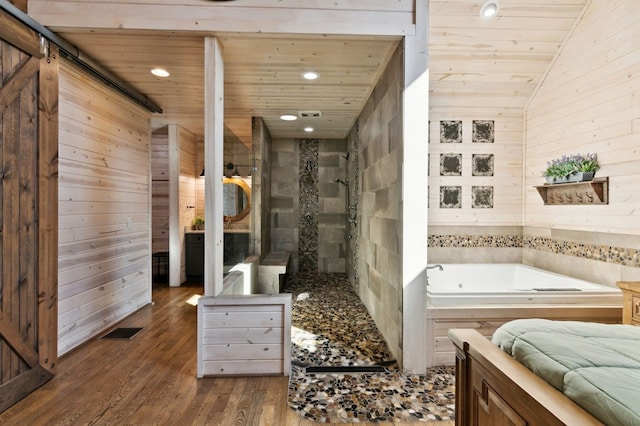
(198, 223)
(571, 168)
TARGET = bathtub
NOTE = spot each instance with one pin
(510, 283)
(485, 296)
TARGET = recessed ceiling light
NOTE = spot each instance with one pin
(288, 117)
(308, 129)
(310, 75)
(489, 9)
(160, 72)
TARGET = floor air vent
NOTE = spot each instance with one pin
(122, 333)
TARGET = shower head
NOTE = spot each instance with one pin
(338, 180)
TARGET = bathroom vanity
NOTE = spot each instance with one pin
(236, 208)
(236, 248)
(194, 255)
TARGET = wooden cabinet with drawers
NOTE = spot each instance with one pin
(630, 302)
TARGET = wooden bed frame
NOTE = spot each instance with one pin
(494, 389)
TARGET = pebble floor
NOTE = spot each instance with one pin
(331, 327)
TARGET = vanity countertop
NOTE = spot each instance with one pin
(237, 230)
(226, 231)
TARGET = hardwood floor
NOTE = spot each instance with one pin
(151, 379)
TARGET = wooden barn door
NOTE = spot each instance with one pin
(28, 213)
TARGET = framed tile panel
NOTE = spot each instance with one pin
(482, 131)
(450, 131)
(450, 197)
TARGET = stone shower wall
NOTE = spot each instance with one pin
(308, 207)
(332, 206)
(284, 197)
(379, 212)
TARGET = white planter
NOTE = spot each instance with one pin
(574, 177)
(580, 176)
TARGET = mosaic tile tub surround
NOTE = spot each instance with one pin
(603, 253)
(331, 327)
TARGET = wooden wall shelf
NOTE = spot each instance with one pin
(595, 191)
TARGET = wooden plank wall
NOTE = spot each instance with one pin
(507, 154)
(487, 70)
(104, 208)
(160, 191)
(187, 187)
(200, 179)
(590, 102)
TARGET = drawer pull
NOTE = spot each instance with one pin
(636, 308)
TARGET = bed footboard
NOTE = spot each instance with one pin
(494, 389)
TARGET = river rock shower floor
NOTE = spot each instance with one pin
(331, 327)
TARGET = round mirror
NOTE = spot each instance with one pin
(236, 199)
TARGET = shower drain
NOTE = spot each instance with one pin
(345, 369)
(377, 368)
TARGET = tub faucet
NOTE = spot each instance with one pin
(440, 268)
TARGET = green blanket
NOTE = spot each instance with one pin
(595, 365)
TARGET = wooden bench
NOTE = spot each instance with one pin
(272, 272)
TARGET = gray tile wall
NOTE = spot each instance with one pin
(308, 207)
(379, 204)
(332, 206)
(285, 158)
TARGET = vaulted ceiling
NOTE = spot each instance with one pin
(470, 59)
(501, 60)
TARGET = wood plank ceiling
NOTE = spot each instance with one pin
(494, 64)
(470, 59)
